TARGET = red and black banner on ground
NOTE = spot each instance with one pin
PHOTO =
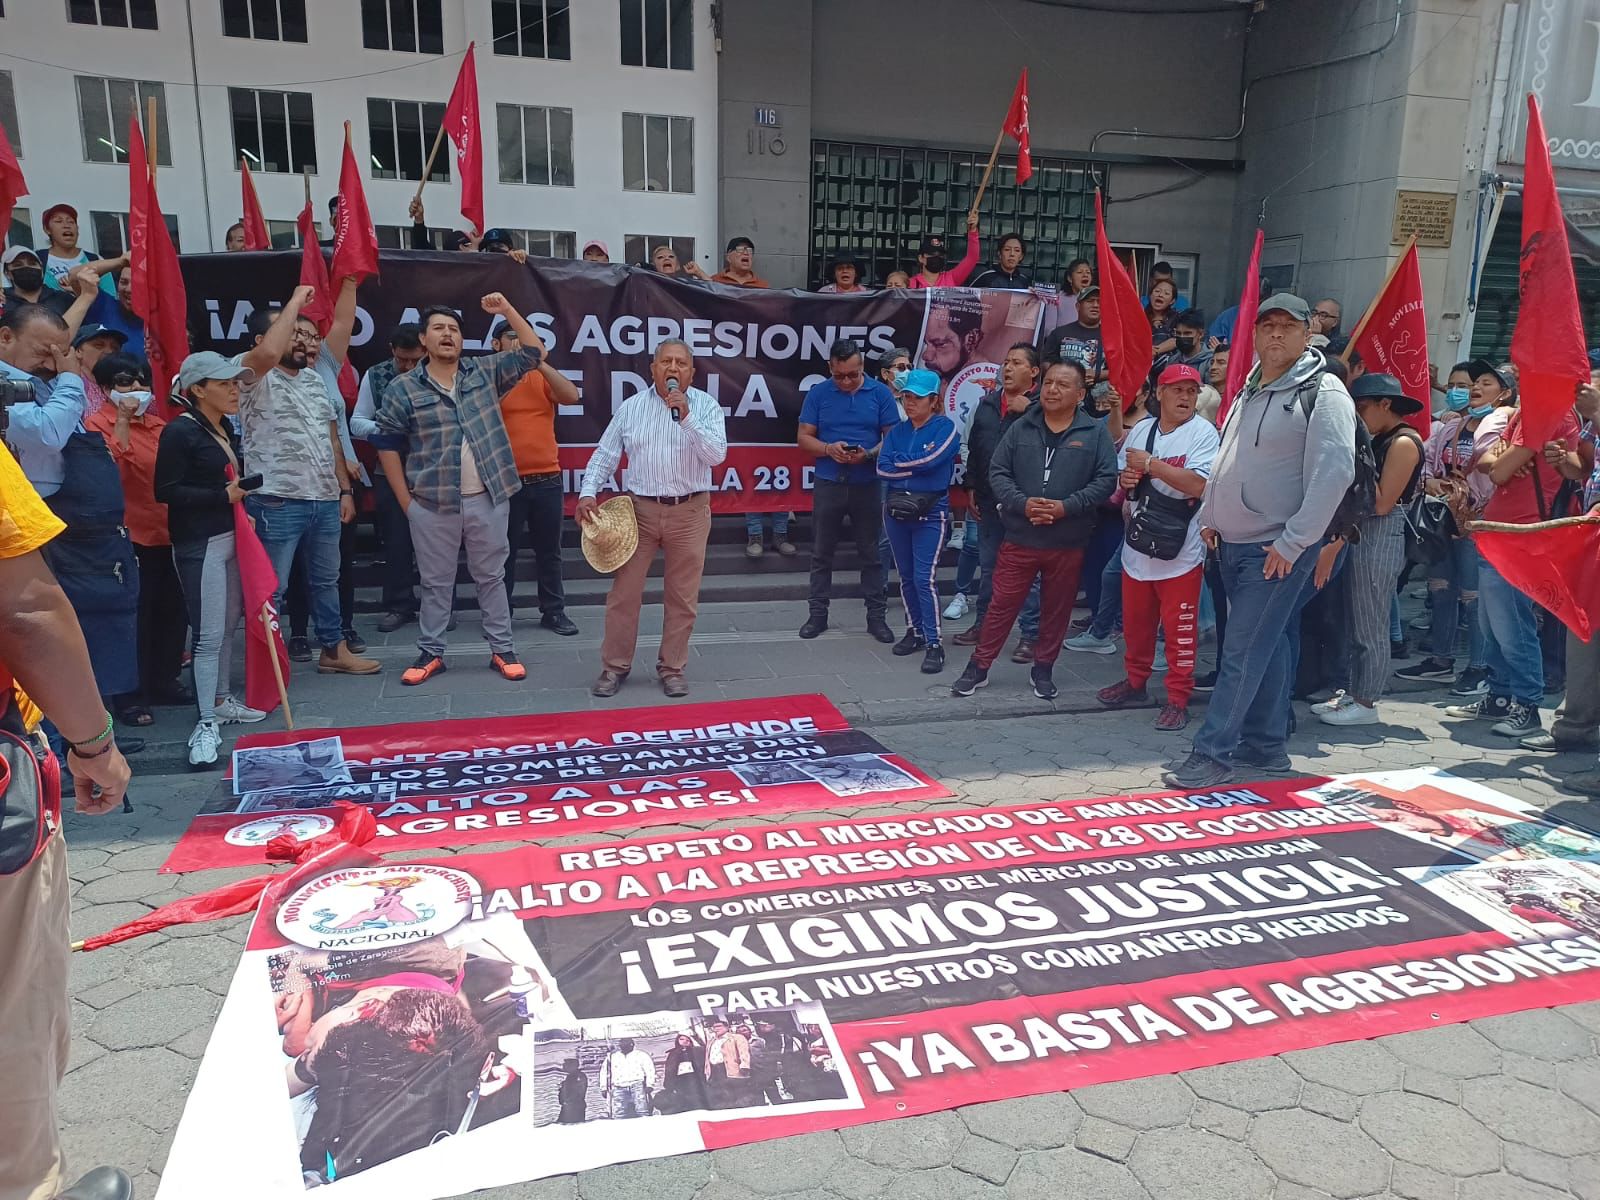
(425, 1028)
(459, 783)
(756, 351)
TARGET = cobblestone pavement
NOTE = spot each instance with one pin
(1506, 1108)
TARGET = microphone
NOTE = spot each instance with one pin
(675, 400)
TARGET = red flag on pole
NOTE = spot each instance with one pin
(355, 242)
(1016, 126)
(256, 236)
(1242, 349)
(13, 186)
(1556, 564)
(461, 125)
(1393, 337)
(263, 637)
(314, 272)
(158, 296)
(1124, 329)
(1547, 345)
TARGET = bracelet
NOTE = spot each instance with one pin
(103, 735)
(106, 749)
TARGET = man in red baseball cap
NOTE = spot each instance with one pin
(1164, 463)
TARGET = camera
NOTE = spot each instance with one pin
(15, 391)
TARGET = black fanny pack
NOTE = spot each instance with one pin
(30, 794)
(910, 506)
(1160, 525)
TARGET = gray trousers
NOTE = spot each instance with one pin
(1578, 718)
(1369, 579)
(437, 538)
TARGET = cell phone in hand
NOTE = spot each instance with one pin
(851, 449)
(251, 482)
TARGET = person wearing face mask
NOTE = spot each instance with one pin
(931, 257)
(25, 282)
(132, 433)
(1453, 580)
(1189, 347)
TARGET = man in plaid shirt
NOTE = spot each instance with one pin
(459, 474)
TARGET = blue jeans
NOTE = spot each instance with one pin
(629, 1100)
(967, 562)
(755, 531)
(1108, 613)
(916, 557)
(1250, 705)
(1453, 587)
(1104, 545)
(284, 527)
(1510, 639)
(991, 532)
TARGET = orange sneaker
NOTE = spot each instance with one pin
(508, 666)
(424, 669)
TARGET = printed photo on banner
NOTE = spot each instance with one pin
(858, 774)
(316, 762)
(965, 336)
(1528, 901)
(317, 797)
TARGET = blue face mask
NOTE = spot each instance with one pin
(1475, 411)
(1457, 398)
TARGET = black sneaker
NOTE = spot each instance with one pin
(910, 644)
(1429, 668)
(1474, 681)
(299, 649)
(390, 621)
(559, 623)
(933, 660)
(878, 630)
(1520, 719)
(1197, 772)
(1044, 687)
(355, 641)
(1206, 683)
(1251, 759)
(815, 626)
(973, 678)
(1484, 708)
(1399, 650)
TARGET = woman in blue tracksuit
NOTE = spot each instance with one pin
(916, 461)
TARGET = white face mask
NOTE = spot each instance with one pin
(142, 397)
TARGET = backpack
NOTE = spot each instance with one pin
(1360, 499)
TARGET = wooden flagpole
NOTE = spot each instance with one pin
(438, 140)
(277, 667)
(988, 171)
(150, 139)
(1361, 326)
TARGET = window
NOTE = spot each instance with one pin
(657, 153)
(637, 247)
(105, 106)
(878, 201)
(115, 14)
(21, 231)
(284, 235)
(273, 130)
(658, 33)
(111, 232)
(265, 20)
(535, 144)
(400, 133)
(532, 28)
(410, 26)
(545, 243)
(8, 113)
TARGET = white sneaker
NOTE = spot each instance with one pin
(232, 712)
(958, 535)
(1338, 700)
(1087, 643)
(1350, 713)
(956, 609)
(203, 744)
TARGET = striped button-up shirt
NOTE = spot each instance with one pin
(418, 417)
(665, 457)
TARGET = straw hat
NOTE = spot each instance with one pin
(610, 537)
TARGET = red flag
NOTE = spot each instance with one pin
(461, 124)
(1556, 565)
(1547, 345)
(355, 242)
(158, 296)
(1124, 329)
(13, 186)
(1016, 126)
(263, 639)
(1393, 337)
(256, 236)
(314, 273)
(1242, 349)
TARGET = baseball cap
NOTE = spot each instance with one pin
(15, 252)
(208, 364)
(735, 243)
(594, 244)
(1089, 293)
(1376, 385)
(494, 235)
(44, 220)
(933, 242)
(89, 332)
(1284, 302)
(1177, 373)
(920, 382)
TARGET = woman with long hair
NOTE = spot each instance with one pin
(199, 465)
(683, 1076)
(1162, 312)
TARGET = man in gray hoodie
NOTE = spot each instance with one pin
(1274, 488)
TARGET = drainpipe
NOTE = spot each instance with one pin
(200, 118)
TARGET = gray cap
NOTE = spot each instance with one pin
(208, 364)
(1285, 302)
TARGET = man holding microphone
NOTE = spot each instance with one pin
(673, 434)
